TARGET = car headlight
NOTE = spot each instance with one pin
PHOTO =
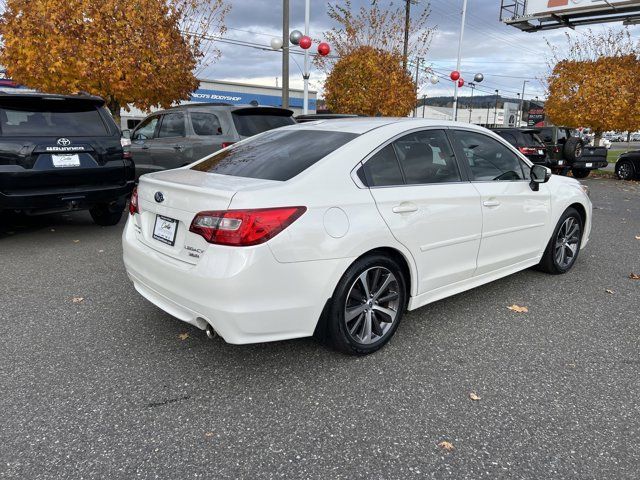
(586, 190)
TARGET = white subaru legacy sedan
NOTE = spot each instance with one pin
(335, 228)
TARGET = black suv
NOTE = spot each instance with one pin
(568, 152)
(628, 165)
(527, 141)
(60, 153)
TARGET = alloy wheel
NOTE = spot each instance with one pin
(624, 171)
(566, 247)
(372, 305)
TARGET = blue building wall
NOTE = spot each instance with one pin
(243, 98)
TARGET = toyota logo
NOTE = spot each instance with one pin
(159, 197)
(64, 142)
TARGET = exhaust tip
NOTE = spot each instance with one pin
(211, 333)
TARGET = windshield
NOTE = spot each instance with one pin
(56, 118)
(277, 155)
(532, 140)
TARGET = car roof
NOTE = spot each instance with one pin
(50, 96)
(221, 106)
(362, 125)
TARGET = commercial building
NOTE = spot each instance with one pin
(217, 91)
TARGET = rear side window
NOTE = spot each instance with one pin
(55, 118)
(532, 140)
(205, 124)
(172, 125)
(383, 170)
(427, 157)
(278, 155)
(249, 125)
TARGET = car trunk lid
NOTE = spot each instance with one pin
(169, 200)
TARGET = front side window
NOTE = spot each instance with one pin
(487, 158)
(172, 125)
(426, 157)
(205, 124)
(275, 155)
(145, 129)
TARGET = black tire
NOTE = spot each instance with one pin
(573, 149)
(625, 170)
(107, 214)
(550, 262)
(580, 172)
(349, 294)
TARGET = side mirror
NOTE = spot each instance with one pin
(539, 174)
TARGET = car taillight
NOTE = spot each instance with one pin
(556, 149)
(243, 228)
(133, 203)
(528, 150)
(226, 144)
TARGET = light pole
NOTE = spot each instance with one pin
(424, 103)
(305, 74)
(495, 110)
(455, 95)
(285, 54)
(418, 60)
(521, 112)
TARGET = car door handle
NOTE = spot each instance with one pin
(405, 208)
(145, 147)
(491, 203)
(178, 147)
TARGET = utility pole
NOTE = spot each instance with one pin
(285, 53)
(455, 95)
(521, 113)
(418, 60)
(495, 110)
(424, 103)
(407, 24)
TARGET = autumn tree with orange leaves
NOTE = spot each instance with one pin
(594, 83)
(131, 52)
(365, 73)
(371, 82)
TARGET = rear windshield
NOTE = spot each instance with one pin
(56, 118)
(249, 125)
(278, 155)
(532, 140)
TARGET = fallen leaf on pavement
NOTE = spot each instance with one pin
(76, 241)
(473, 396)
(77, 299)
(183, 336)
(100, 251)
(637, 237)
(448, 446)
(518, 309)
(608, 290)
(634, 276)
(208, 434)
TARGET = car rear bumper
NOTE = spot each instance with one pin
(60, 199)
(590, 164)
(245, 294)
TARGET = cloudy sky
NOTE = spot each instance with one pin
(506, 56)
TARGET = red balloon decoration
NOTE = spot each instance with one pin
(305, 42)
(455, 75)
(324, 49)
(461, 83)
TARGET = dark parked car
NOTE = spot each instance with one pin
(568, 152)
(527, 141)
(62, 152)
(181, 135)
(628, 165)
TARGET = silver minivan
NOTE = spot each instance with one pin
(181, 135)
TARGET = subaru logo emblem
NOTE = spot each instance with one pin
(64, 142)
(159, 197)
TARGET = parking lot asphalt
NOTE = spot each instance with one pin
(111, 387)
